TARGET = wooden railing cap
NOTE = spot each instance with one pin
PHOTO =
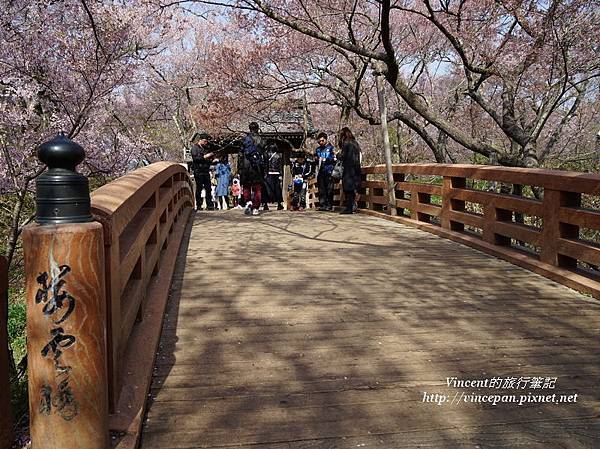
(550, 179)
(110, 197)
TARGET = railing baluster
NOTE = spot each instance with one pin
(450, 204)
(399, 177)
(553, 229)
(362, 192)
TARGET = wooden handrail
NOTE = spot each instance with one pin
(550, 179)
(138, 212)
(557, 249)
(6, 421)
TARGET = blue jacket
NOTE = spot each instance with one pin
(223, 174)
(326, 155)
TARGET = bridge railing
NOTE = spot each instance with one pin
(96, 295)
(138, 213)
(461, 202)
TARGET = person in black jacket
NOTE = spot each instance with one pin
(350, 157)
(201, 161)
(251, 169)
(272, 183)
(301, 171)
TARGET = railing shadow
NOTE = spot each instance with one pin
(341, 356)
(168, 338)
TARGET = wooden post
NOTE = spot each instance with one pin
(450, 204)
(553, 229)
(287, 178)
(362, 204)
(6, 423)
(399, 177)
(66, 336)
(66, 316)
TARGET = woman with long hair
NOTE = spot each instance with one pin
(350, 157)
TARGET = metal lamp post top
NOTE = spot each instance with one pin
(63, 195)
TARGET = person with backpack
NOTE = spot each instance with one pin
(251, 168)
(201, 162)
(325, 158)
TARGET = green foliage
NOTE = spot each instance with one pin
(99, 180)
(19, 400)
(17, 320)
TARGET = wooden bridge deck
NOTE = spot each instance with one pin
(325, 331)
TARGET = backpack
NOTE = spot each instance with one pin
(252, 152)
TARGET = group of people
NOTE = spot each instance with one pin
(260, 171)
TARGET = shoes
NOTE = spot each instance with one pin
(329, 208)
(248, 208)
(345, 212)
(280, 206)
(322, 209)
(239, 206)
(301, 209)
(255, 212)
(266, 207)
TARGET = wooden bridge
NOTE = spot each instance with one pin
(454, 324)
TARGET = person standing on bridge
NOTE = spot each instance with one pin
(274, 170)
(201, 161)
(350, 157)
(251, 168)
(223, 173)
(325, 157)
(301, 171)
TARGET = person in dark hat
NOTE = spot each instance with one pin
(201, 161)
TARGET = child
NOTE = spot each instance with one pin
(301, 170)
(213, 188)
(236, 192)
(223, 173)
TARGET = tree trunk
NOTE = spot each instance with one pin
(344, 117)
(391, 185)
(15, 230)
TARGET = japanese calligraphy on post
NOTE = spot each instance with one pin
(58, 305)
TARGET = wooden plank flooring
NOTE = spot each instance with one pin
(315, 330)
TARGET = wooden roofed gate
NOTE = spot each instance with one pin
(342, 332)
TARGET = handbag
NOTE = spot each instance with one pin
(338, 170)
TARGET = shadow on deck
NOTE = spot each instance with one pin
(325, 331)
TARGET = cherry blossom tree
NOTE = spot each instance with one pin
(62, 67)
(518, 69)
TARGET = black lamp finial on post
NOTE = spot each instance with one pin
(63, 195)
